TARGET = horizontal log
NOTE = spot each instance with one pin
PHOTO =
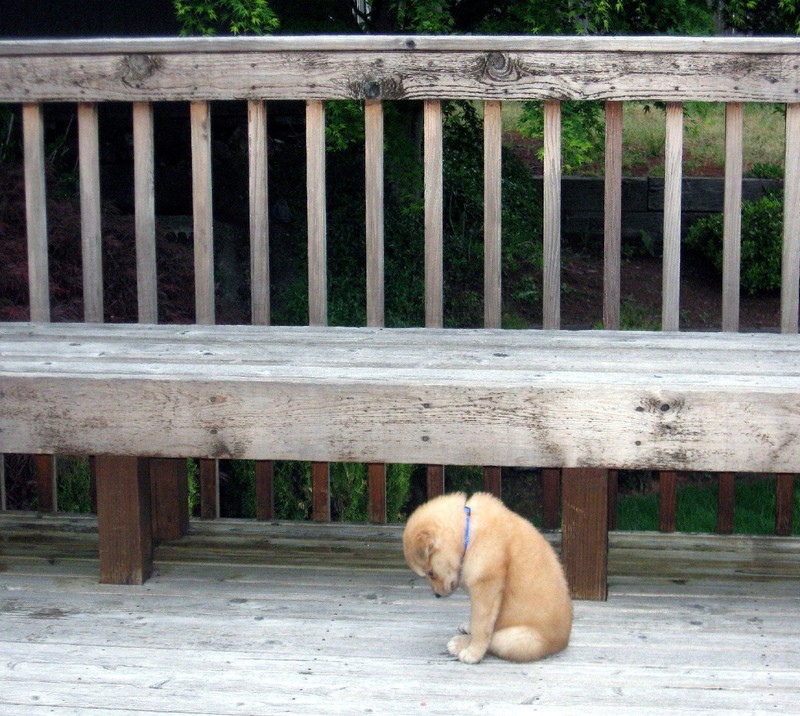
(520, 398)
(399, 68)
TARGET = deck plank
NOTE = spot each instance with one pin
(244, 618)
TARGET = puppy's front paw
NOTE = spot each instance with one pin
(461, 647)
(457, 644)
(464, 628)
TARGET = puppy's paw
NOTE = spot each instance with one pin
(464, 628)
(457, 644)
(471, 655)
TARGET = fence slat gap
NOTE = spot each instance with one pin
(36, 212)
(492, 197)
(91, 229)
(373, 161)
(317, 221)
(790, 271)
(612, 229)
(145, 212)
(673, 167)
(203, 213)
(259, 212)
(551, 314)
(732, 215)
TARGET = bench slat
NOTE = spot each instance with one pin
(551, 265)
(434, 216)
(790, 281)
(612, 230)
(91, 232)
(673, 162)
(492, 193)
(145, 212)
(732, 215)
(373, 186)
(414, 395)
(259, 212)
(202, 206)
(317, 219)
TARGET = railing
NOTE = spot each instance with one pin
(377, 69)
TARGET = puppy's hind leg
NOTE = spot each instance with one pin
(522, 643)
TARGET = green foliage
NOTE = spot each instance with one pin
(73, 484)
(237, 17)
(762, 235)
(763, 17)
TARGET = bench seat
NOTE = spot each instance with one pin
(678, 401)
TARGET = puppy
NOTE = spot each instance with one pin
(520, 604)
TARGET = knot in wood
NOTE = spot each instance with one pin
(136, 68)
(499, 66)
(381, 88)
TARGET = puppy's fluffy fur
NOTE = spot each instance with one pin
(520, 604)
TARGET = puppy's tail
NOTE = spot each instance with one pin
(523, 643)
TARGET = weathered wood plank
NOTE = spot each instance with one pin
(169, 504)
(790, 263)
(551, 270)
(726, 497)
(551, 502)
(492, 200)
(36, 212)
(673, 164)
(434, 229)
(732, 221)
(668, 501)
(208, 483)
(482, 68)
(202, 206)
(259, 213)
(91, 230)
(145, 212)
(612, 231)
(373, 185)
(44, 469)
(317, 217)
(784, 504)
(265, 493)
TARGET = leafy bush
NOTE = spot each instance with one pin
(762, 235)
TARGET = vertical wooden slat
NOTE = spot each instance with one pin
(725, 502)
(259, 213)
(667, 501)
(373, 161)
(376, 487)
(434, 226)
(373, 179)
(584, 547)
(784, 504)
(435, 480)
(36, 212)
(317, 221)
(492, 212)
(44, 467)
(790, 271)
(145, 212)
(265, 493)
(551, 486)
(3, 498)
(91, 231)
(673, 166)
(434, 241)
(613, 493)
(169, 492)
(612, 231)
(123, 520)
(732, 221)
(200, 114)
(552, 216)
(259, 268)
(493, 480)
(208, 481)
(317, 269)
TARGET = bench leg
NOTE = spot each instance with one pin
(584, 547)
(169, 504)
(123, 519)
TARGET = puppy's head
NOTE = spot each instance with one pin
(432, 547)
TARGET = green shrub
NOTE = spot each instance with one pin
(762, 235)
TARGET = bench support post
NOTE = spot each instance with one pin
(123, 519)
(169, 506)
(584, 547)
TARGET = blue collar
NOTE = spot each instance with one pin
(468, 513)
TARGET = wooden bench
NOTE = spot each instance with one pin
(139, 397)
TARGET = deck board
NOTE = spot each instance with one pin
(247, 618)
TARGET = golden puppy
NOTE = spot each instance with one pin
(520, 604)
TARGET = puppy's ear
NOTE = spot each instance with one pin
(425, 545)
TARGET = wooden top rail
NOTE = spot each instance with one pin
(326, 68)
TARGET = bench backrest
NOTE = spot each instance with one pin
(374, 69)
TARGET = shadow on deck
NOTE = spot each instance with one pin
(248, 618)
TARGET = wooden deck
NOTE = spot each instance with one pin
(247, 618)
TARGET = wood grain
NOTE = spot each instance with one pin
(551, 277)
(202, 206)
(91, 230)
(317, 216)
(667, 501)
(726, 499)
(259, 213)
(790, 271)
(36, 212)
(373, 184)
(492, 212)
(145, 212)
(732, 215)
(612, 221)
(673, 166)
(434, 230)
